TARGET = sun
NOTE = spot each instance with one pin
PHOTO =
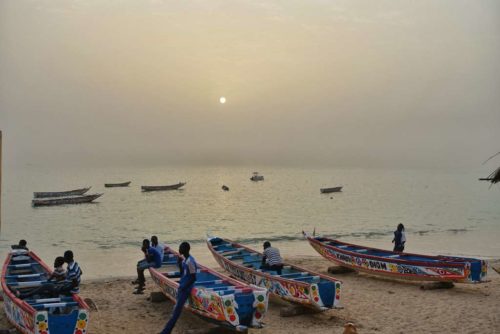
(222, 100)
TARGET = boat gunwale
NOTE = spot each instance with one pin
(53, 200)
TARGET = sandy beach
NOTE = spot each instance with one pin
(375, 305)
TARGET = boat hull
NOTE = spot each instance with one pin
(330, 190)
(400, 265)
(161, 188)
(75, 192)
(244, 308)
(115, 185)
(34, 317)
(318, 296)
(65, 200)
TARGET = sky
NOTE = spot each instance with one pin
(348, 83)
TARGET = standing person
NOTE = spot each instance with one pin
(158, 246)
(152, 258)
(188, 267)
(399, 238)
(272, 259)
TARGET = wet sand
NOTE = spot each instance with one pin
(375, 305)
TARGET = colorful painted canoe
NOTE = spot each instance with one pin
(295, 284)
(115, 185)
(74, 192)
(401, 265)
(168, 187)
(64, 315)
(330, 190)
(215, 297)
(65, 200)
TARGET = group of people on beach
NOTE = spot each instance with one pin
(62, 281)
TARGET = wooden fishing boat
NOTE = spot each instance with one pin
(256, 177)
(115, 185)
(74, 192)
(215, 297)
(401, 265)
(159, 188)
(65, 200)
(225, 188)
(295, 284)
(330, 190)
(38, 315)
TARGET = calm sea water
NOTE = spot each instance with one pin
(447, 213)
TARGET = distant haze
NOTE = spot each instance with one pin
(320, 83)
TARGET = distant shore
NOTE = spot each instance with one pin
(375, 305)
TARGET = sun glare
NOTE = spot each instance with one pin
(222, 100)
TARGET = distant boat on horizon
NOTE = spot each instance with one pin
(331, 190)
(160, 188)
(74, 192)
(114, 185)
(225, 188)
(256, 177)
(65, 200)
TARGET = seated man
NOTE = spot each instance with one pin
(21, 245)
(152, 258)
(158, 246)
(272, 259)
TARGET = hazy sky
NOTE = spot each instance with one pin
(325, 83)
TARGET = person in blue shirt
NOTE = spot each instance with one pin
(152, 258)
(188, 267)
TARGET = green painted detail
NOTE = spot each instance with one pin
(40, 317)
(227, 302)
(260, 298)
(306, 291)
(313, 287)
(337, 285)
(82, 316)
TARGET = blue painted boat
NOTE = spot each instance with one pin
(64, 315)
(401, 265)
(295, 284)
(215, 297)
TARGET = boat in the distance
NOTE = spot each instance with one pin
(215, 297)
(167, 187)
(74, 192)
(225, 188)
(115, 185)
(400, 265)
(331, 190)
(38, 314)
(65, 200)
(257, 177)
(295, 284)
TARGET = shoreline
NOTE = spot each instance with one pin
(376, 305)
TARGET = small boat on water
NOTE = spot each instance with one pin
(159, 188)
(115, 185)
(38, 315)
(225, 188)
(65, 200)
(74, 192)
(400, 265)
(215, 297)
(295, 284)
(256, 177)
(330, 190)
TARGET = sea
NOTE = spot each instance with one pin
(444, 212)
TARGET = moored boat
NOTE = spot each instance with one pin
(401, 265)
(331, 190)
(114, 185)
(65, 200)
(38, 315)
(257, 177)
(167, 187)
(215, 297)
(74, 192)
(295, 284)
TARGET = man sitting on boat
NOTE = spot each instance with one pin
(272, 259)
(152, 258)
(188, 269)
(158, 246)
